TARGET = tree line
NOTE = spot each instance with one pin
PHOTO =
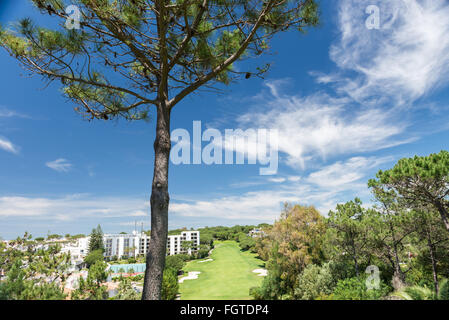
(403, 235)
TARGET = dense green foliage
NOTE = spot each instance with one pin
(34, 273)
(176, 262)
(402, 235)
(92, 288)
(295, 242)
(126, 291)
(94, 256)
(315, 282)
(356, 289)
(170, 285)
(96, 240)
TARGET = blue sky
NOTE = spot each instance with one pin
(346, 101)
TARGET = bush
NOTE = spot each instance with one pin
(175, 262)
(94, 256)
(170, 285)
(355, 289)
(184, 257)
(271, 288)
(444, 290)
(202, 253)
(315, 282)
(126, 290)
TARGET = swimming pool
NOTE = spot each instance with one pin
(137, 267)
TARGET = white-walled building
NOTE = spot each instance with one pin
(177, 244)
(256, 232)
(78, 249)
(125, 245)
(134, 244)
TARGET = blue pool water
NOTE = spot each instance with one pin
(137, 267)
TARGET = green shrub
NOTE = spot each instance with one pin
(356, 289)
(175, 262)
(170, 285)
(444, 290)
(94, 256)
(315, 282)
(415, 293)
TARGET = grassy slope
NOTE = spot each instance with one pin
(228, 277)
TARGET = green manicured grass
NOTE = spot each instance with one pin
(228, 277)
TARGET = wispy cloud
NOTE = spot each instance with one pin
(325, 188)
(60, 165)
(343, 173)
(7, 113)
(8, 146)
(277, 180)
(405, 59)
(378, 74)
(72, 207)
(320, 126)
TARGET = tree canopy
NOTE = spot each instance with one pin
(128, 54)
(421, 181)
(96, 240)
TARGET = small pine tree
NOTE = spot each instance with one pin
(96, 240)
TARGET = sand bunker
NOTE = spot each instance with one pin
(206, 260)
(192, 275)
(261, 272)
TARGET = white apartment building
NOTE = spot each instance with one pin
(78, 249)
(134, 244)
(256, 232)
(125, 245)
(178, 244)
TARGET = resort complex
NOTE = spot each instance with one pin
(118, 246)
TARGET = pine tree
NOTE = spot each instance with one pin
(421, 181)
(133, 57)
(96, 240)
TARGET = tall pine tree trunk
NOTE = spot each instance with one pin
(398, 275)
(444, 214)
(155, 263)
(433, 260)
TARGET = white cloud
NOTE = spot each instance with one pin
(8, 146)
(60, 165)
(139, 213)
(6, 113)
(324, 188)
(379, 72)
(72, 207)
(404, 60)
(342, 173)
(261, 205)
(320, 126)
(277, 180)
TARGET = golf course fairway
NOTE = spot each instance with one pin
(229, 276)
